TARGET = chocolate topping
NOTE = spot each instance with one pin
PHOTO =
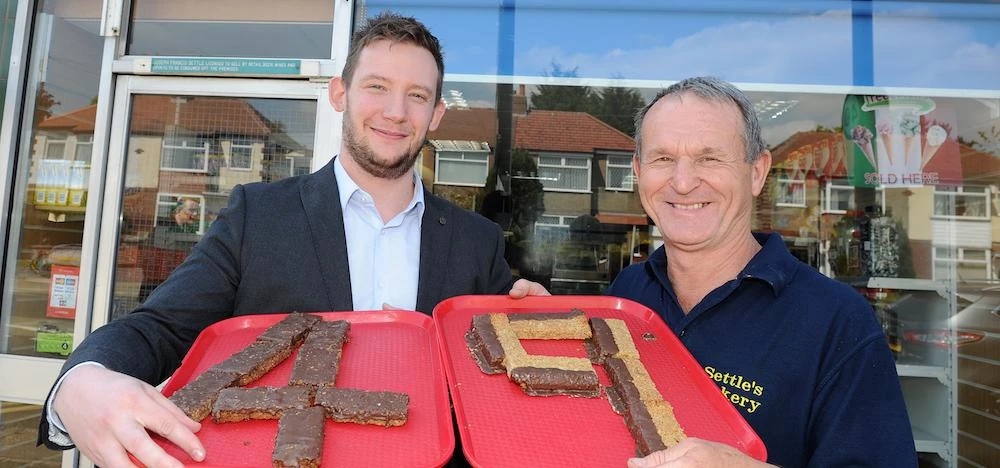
(640, 424)
(240, 403)
(603, 339)
(318, 361)
(487, 340)
(195, 399)
(290, 329)
(255, 360)
(300, 438)
(364, 407)
(547, 381)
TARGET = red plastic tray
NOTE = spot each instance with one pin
(501, 426)
(388, 350)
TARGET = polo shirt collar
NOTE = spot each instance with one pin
(773, 264)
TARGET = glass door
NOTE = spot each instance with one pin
(179, 146)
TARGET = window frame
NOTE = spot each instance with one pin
(986, 195)
(628, 180)
(439, 155)
(586, 157)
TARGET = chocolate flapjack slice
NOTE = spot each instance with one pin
(240, 403)
(300, 438)
(550, 325)
(291, 329)
(255, 360)
(484, 345)
(547, 381)
(195, 398)
(318, 361)
(363, 406)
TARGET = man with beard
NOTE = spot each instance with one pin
(360, 234)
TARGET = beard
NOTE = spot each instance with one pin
(370, 162)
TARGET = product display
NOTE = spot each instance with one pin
(494, 341)
(495, 345)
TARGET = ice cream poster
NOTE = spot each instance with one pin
(899, 142)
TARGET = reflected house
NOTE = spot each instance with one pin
(583, 167)
(184, 156)
(809, 200)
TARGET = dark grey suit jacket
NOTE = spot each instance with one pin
(280, 247)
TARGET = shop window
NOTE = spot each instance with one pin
(962, 202)
(185, 154)
(564, 172)
(791, 192)
(620, 177)
(241, 154)
(467, 168)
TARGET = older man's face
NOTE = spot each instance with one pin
(694, 181)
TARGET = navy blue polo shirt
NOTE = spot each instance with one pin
(800, 355)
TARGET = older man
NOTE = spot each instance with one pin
(800, 355)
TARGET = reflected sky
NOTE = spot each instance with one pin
(916, 44)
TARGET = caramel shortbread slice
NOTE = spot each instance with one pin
(485, 345)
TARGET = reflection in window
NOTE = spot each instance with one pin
(791, 192)
(970, 264)
(620, 173)
(962, 202)
(232, 28)
(461, 162)
(564, 172)
(240, 153)
(839, 197)
(184, 154)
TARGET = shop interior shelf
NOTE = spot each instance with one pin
(917, 370)
(911, 284)
(928, 404)
(927, 444)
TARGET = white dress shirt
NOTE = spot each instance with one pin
(384, 257)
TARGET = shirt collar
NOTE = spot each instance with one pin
(773, 264)
(347, 187)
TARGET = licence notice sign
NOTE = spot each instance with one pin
(224, 66)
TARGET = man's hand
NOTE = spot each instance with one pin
(107, 413)
(523, 287)
(693, 452)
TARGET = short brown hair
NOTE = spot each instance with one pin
(394, 28)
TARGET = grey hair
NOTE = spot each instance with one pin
(712, 89)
